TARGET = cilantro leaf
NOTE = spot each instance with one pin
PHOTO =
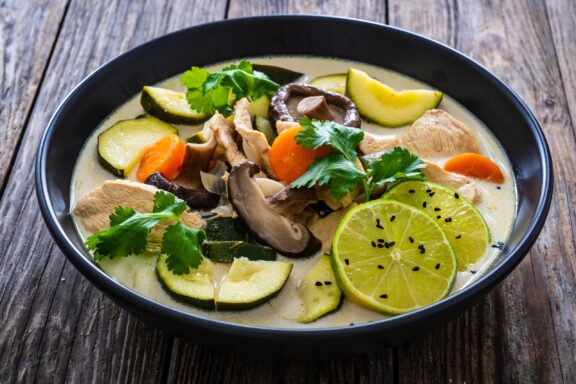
(182, 245)
(392, 165)
(316, 133)
(209, 92)
(126, 238)
(339, 173)
(129, 230)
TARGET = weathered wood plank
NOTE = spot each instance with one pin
(56, 330)
(27, 33)
(367, 9)
(524, 330)
(201, 366)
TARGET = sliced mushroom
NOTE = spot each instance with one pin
(196, 199)
(315, 107)
(285, 102)
(291, 202)
(264, 222)
(197, 158)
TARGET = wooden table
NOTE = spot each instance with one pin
(55, 326)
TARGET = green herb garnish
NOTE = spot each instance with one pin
(340, 170)
(129, 230)
(209, 92)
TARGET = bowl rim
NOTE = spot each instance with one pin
(137, 300)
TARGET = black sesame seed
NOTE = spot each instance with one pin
(392, 218)
(424, 205)
(411, 239)
(387, 245)
(381, 245)
(378, 225)
(318, 283)
(431, 194)
(437, 209)
(411, 191)
(456, 195)
(351, 324)
(498, 187)
(373, 245)
(472, 272)
(391, 244)
(383, 296)
(347, 261)
(437, 266)
(416, 269)
(421, 248)
(380, 240)
(380, 267)
(428, 190)
(327, 282)
(459, 236)
(438, 217)
(448, 219)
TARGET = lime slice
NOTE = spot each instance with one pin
(461, 221)
(392, 257)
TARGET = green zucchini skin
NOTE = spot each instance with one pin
(278, 74)
(227, 229)
(227, 251)
(153, 105)
(165, 277)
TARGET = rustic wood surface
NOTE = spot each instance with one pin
(56, 327)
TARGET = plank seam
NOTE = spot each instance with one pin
(33, 104)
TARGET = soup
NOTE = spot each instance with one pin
(496, 201)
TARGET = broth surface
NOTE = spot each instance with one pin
(498, 205)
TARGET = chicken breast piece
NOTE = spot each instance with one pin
(94, 208)
(462, 184)
(254, 142)
(325, 227)
(373, 144)
(224, 131)
(439, 134)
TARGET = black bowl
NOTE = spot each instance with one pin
(413, 55)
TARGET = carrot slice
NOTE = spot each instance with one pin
(288, 159)
(475, 165)
(165, 156)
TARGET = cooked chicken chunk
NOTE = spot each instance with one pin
(281, 126)
(254, 142)
(325, 227)
(462, 184)
(224, 131)
(372, 144)
(439, 134)
(94, 208)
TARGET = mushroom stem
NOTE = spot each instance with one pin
(315, 107)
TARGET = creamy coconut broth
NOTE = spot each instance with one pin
(498, 204)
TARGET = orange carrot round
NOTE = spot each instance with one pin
(165, 156)
(475, 165)
(288, 159)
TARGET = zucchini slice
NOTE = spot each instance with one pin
(278, 74)
(226, 229)
(259, 107)
(333, 83)
(227, 251)
(380, 103)
(251, 283)
(319, 292)
(169, 106)
(121, 146)
(195, 287)
(263, 125)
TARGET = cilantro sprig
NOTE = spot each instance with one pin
(129, 230)
(209, 92)
(340, 169)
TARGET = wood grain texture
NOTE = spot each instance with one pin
(28, 30)
(65, 330)
(524, 330)
(366, 9)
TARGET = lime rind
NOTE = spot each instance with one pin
(466, 228)
(384, 278)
